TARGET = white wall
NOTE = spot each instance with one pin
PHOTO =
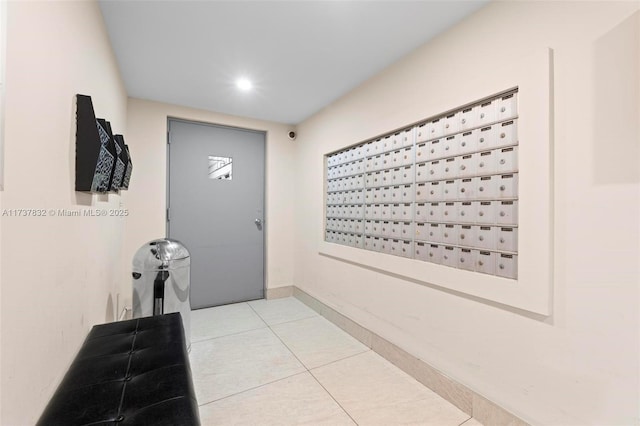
(146, 200)
(580, 365)
(59, 274)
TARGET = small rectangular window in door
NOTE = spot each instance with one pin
(220, 168)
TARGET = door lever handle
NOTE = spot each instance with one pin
(258, 223)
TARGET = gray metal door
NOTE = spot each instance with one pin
(215, 208)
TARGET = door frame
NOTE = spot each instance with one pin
(265, 220)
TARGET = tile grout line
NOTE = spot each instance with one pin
(227, 335)
(294, 320)
(305, 368)
(367, 349)
(309, 371)
(465, 421)
(236, 333)
(312, 301)
(259, 316)
(246, 331)
(341, 359)
(256, 312)
(332, 397)
(285, 345)
(253, 388)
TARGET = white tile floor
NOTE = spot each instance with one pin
(278, 362)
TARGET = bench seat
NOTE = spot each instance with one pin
(133, 372)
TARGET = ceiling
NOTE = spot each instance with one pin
(300, 55)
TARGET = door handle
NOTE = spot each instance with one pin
(258, 223)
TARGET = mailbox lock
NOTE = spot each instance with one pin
(503, 109)
(461, 213)
(462, 260)
(501, 266)
(502, 161)
(482, 115)
(481, 238)
(464, 120)
(462, 190)
(480, 262)
(502, 188)
(481, 189)
(463, 167)
(502, 240)
(481, 214)
(430, 254)
(502, 214)
(446, 235)
(481, 140)
(462, 236)
(481, 164)
(432, 151)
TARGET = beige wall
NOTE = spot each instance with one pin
(146, 200)
(580, 365)
(59, 274)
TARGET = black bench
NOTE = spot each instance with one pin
(133, 372)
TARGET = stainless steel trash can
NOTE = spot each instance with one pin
(161, 281)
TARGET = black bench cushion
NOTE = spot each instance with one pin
(132, 372)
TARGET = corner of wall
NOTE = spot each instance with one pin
(59, 274)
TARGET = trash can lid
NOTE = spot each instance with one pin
(166, 249)
(161, 252)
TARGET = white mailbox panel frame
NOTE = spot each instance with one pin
(532, 290)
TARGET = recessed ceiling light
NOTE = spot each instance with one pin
(244, 84)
